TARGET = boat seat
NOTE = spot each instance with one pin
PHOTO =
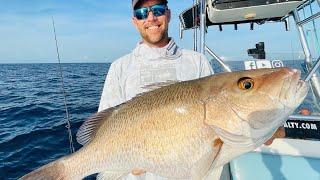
(221, 12)
(256, 165)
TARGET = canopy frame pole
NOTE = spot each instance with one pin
(202, 26)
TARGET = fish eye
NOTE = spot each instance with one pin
(245, 83)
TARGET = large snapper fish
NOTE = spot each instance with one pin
(184, 130)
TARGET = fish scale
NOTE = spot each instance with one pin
(184, 130)
(166, 139)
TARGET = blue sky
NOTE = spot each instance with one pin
(101, 31)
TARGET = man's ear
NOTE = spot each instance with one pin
(134, 22)
(169, 15)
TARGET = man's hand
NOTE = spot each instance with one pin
(280, 133)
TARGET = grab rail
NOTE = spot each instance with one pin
(305, 118)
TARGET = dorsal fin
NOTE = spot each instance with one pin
(88, 129)
(157, 85)
(154, 86)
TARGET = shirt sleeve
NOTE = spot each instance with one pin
(205, 66)
(111, 93)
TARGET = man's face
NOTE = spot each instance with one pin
(153, 30)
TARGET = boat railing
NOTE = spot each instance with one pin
(225, 67)
(301, 21)
(305, 118)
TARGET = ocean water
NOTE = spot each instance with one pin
(32, 115)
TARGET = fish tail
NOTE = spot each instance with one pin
(51, 171)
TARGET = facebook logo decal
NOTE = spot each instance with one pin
(249, 65)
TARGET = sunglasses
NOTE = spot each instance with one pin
(157, 10)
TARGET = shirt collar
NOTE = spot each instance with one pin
(169, 52)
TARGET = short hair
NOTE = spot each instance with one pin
(139, 4)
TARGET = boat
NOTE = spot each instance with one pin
(298, 155)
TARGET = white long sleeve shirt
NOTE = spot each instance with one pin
(131, 74)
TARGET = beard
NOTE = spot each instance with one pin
(154, 38)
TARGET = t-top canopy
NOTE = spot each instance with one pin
(239, 11)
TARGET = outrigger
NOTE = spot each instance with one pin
(288, 158)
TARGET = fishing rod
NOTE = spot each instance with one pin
(68, 126)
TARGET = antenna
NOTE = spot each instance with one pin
(68, 126)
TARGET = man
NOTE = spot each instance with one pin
(156, 59)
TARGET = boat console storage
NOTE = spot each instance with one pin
(239, 11)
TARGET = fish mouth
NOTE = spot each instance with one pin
(290, 96)
(286, 94)
(293, 90)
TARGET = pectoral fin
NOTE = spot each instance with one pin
(202, 167)
(214, 174)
